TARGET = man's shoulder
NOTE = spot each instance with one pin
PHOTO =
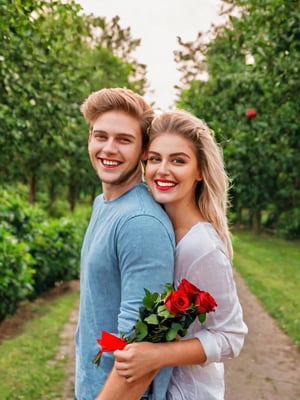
(140, 209)
(142, 201)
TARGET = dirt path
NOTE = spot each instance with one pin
(268, 367)
(67, 348)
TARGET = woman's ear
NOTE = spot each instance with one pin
(199, 177)
(144, 155)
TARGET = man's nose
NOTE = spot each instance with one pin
(110, 146)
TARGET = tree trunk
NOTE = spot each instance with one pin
(256, 221)
(72, 197)
(32, 188)
(51, 192)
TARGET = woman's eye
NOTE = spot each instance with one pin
(154, 159)
(178, 161)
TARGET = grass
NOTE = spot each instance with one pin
(271, 268)
(26, 370)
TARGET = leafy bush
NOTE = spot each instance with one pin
(289, 224)
(36, 252)
(55, 250)
(16, 273)
(17, 215)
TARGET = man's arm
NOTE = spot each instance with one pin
(116, 387)
(146, 258)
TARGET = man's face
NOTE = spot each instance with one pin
(115, 149)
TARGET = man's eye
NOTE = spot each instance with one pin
(100, 137)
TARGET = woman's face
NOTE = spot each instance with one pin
(172, 171)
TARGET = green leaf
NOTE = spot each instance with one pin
(169, 287)
(152, 319)
(183, 332)
(202, 317)
(150, 299)
(171, 335)
(163, 312)
(176, 326)
(141, 331)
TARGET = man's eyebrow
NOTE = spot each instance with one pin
(117, 133)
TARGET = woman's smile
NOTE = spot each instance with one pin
(164, 184)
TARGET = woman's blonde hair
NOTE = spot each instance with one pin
(212, 191)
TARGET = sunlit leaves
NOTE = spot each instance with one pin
(258, 154)
(50, 60)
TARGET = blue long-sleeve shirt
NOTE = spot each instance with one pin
(128, 246)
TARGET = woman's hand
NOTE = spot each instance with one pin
(137, 360)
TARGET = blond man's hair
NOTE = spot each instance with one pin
(118, 99)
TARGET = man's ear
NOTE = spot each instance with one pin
(90, 134)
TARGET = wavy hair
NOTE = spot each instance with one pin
(212, 191)
(118, 99)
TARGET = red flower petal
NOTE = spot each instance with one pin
(188, 287)
(110, 342)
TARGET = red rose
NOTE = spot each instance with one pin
(204, 302)
(251, 113)
(177, 302)
(188, 288)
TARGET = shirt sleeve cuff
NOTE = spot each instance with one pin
(211, 348)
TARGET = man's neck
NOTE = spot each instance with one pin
(112, 192)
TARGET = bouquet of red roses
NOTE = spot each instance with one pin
(163, 317)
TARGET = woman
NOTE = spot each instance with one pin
(185, 173)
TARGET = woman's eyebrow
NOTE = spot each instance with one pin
(180, 153)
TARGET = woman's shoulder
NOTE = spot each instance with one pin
(200, 240)
(203, 232)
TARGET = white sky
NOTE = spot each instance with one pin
(157, 23)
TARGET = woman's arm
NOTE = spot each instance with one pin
(138, 359)
(118, 387)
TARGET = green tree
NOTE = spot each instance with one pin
(253, 62)
(52, 56)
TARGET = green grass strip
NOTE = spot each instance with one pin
(26, 370)
(271, 268)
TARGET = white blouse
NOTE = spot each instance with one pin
(201, 258)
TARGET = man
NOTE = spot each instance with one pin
(129, 243)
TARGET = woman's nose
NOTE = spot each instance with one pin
(163, 168)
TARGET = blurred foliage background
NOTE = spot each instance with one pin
(52, 56)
